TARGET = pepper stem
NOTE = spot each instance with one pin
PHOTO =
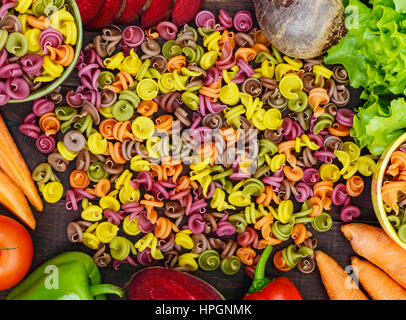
(260, 282)
(99, 289)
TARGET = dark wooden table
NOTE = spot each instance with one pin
(50, 235)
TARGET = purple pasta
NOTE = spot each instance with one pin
(167, 30)
(339, 195)
(129, 260)
(275, 180)
(45, 144)
(50, 37)
(311, 176)
(114, 217)
(345, 117)
(144, 224)
(302, 192)
(324, 156)
(349, 212)
(30, 130)
(32, 64)
(196, 223)
(242, 21)
(17, 88)
(42, 106)
(4, 96)
(145, 259)
(205, 19)
(133, 36)
(225, 20)
(225, 228)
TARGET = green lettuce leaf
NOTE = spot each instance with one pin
(374, 50)
(378, 123)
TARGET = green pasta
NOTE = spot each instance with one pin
(209, 260)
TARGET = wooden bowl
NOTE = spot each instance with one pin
(44, 90)
(376, 190)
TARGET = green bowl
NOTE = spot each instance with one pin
(376, 190)
(44, 90)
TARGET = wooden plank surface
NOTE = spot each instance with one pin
(50, 236)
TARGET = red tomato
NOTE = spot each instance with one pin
(16, 252)
(281, 288)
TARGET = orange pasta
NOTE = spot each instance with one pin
(299, 233)
(246, 54)
(101, 188)
(227, 36)
(149, 203)
(152, 33)
(317, 97)
(259, 37)
(323, 189)
(339, 130)
(230, 135)
(390, 193)
(293, 174)
(285, 148)
(164, 123)
(271, 241)
(79, 179)
(212, 91)
(317, 206)
(246, 255)
(106, 128)
(184, 183)
(207, 151)
(157, 171)
(123, 81)
(402, 175)
(147, 108)
(259, 47)
(114, 151)
(41, 23)
(266, 197)
(354, 186)
(49, 123)
(163, 228)
(398, 163)
(279, 262)
(122, 131)
(63, 55)
(176, 63)
(264, 224)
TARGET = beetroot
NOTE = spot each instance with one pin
(158, 11)
(185, 10)
(89, 9)
(133, 10)
(112, 9)
(158, 283)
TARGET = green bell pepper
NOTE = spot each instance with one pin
(69, 276)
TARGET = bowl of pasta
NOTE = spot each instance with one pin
(388, 190)
(40, 45)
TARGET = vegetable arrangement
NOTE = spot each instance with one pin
(166, 149)
(382, 277)
(372, 52)
(164, 134)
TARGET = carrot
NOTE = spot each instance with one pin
(13, 199)
(376, 282)
(338, 283)
(373, 244)
(12, 163)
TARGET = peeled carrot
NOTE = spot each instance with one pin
(373, 244)
(376, 282)
(338, 283)
(13, 199)
(13, 164)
